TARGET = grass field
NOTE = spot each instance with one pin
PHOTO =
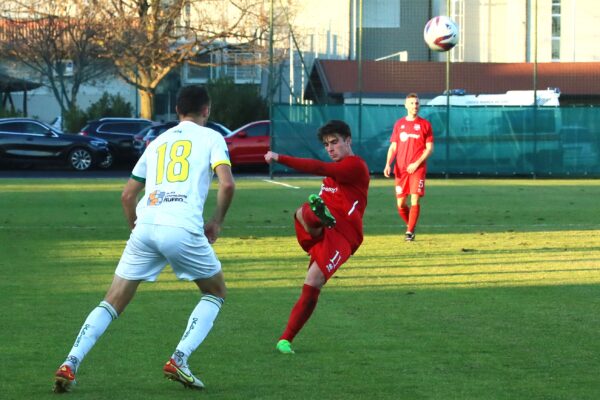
(498, 298)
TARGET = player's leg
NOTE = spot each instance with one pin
(139, 262)
(199, 324)
(401, 193)
(403, 209)
(303, 308)
(417, 190)
(119, 295)
(327, 256)
(317, 205)
(309, 221)
(192, 258)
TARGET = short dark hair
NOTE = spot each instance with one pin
(192, 99)
(332, 127)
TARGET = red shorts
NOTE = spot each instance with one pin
(329, 251)
(411, 183)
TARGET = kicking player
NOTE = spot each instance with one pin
(167, 228)
(410, 146)
(328, 227)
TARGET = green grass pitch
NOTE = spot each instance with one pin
(498, 298)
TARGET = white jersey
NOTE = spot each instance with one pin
(177, 168)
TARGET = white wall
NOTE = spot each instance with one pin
(42, 104)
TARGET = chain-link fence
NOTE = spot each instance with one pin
(518, 95)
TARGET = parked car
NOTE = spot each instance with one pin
(248, 144)
(222, 129)
(154, 131)
(26, 140)
(118, 132)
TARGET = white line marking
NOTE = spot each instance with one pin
(514, 229)
(281, 183)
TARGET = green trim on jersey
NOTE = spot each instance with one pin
(138, 178)
(226, 162)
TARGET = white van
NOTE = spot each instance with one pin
(500, 133)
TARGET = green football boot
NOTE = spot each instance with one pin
(321, 211)
(284, 347)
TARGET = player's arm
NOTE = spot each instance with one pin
(129, 200)
(342, 171)
(224, 199)
(426, 153)
(391, 154)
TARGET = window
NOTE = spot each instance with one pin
(243, 67)
(121, 127)
(24, 127)
(556, 12)
(257, 130)
(381, 13)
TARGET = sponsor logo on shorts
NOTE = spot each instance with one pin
(334, 261)
(158, 197)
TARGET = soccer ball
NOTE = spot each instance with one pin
(440, 33)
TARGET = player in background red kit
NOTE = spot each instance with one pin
(410, 146)
(329, 227)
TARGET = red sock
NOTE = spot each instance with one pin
(403, 212)
(310, 218)
(301, 311)
(413, 217)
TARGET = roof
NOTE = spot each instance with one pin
(10, 84)
(334, 80)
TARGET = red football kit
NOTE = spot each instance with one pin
(344, 191)
(410, 138)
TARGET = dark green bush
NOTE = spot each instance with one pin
(107, 106)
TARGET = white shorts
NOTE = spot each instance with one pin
(151, 247)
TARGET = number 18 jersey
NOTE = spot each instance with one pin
(177, 169)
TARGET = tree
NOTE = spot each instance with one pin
(146, 39)
(142, 39)
(56, 42)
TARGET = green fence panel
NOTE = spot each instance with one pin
(486, 141)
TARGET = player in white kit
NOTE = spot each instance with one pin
(167, 226)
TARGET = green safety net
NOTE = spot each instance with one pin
(469, 141)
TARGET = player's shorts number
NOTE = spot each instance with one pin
(178, 168)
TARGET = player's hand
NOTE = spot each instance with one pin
(386, 171)
(211, 231)
(412, 167)
(271, 156)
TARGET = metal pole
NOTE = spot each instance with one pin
(535, 106)
(270, 88)
(447, 175)
(360, 83)
(137, 94)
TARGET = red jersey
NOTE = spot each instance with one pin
(410, 138)
(344, 190)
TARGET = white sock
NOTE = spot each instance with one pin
(199, 324)
(93, 327)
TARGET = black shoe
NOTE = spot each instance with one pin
(409, 237)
